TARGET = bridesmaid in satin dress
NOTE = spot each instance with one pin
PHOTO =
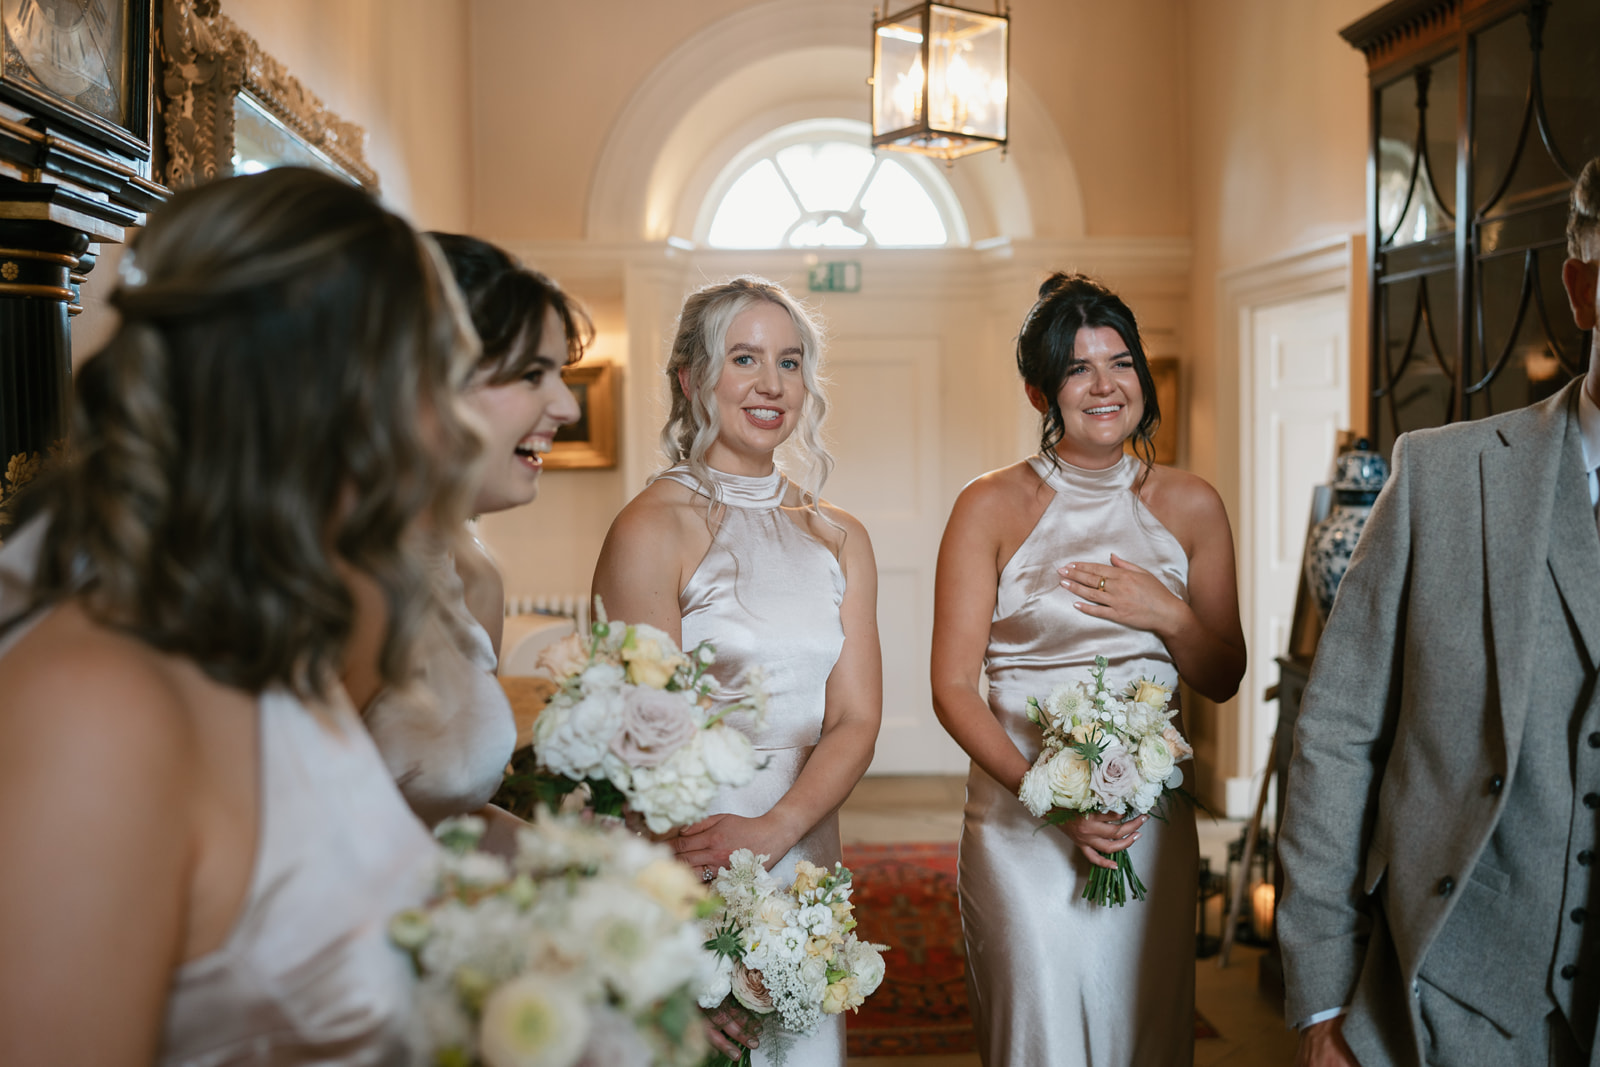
(723, 547)
(203, 849)
(449, 755)
(1079, 551)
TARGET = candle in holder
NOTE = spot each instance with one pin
(1262, 899)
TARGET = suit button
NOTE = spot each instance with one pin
(1579, 914)
(1446, 884)
(1569, 972)
(1585, 858)
(1591, 800)
(1594, 739)
(1496, 784)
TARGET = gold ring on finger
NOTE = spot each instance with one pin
(1102, 584)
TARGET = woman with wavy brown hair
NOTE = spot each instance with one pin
(202, 844)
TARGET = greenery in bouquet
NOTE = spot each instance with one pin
(634, 723)
(585, 949)
(786, 954)
(1113, 751)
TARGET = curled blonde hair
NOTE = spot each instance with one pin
(699, 346)
(279, 402)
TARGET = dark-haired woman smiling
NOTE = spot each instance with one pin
(1077, 552)
(449, 753)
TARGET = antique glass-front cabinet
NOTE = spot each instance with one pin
(1482, 114)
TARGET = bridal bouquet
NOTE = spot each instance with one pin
(584, 949)
(633, 721)
(1105, 751)
(789, 951)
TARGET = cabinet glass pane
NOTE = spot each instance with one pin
(1510, 166)
(1527, 345)
(1416, 197)
(1571, 61)
(1415, 364)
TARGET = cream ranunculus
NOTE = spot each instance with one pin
(749, 990)
(533, 1021)
(651, 657)
(1155, 758)
(1070, 778)
(655, 724)
(835, 998)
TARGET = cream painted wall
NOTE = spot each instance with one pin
(1277, 130)
(550, 80)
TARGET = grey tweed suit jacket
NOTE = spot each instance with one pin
(1411, 726)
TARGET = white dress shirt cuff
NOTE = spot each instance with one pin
(1319, 1017)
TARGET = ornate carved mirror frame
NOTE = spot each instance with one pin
(207, 64)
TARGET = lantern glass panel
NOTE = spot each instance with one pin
(967, 72)
(897, 74)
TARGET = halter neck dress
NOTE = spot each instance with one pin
(768, 594)
(1053, 979)
(308, 976)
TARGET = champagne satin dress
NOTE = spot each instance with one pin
(1053, 979)
(767, 594)
(448, 753)
(308, 975)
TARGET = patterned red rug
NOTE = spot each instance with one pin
(905, 896)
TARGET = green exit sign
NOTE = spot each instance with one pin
(840, 277)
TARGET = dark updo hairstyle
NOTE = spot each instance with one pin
(508, 303)
(277, 403)
(1046, 351)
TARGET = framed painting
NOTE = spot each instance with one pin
(591, 442)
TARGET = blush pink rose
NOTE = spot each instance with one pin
(655, 724)
(750, 989)
(1115, 779)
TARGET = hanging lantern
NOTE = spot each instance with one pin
(939, 81)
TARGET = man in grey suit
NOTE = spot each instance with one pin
(1442, 817)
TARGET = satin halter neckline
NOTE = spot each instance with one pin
(746, 491)
(1061, 475)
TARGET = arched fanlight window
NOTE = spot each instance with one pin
(816, 184)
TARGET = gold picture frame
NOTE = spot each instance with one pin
(1164, 371)
(591, 442)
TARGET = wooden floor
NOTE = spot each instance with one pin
(905, 809)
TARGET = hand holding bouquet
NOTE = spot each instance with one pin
(633, 721)
(1105, 751)
(586, 948)
(787, 952)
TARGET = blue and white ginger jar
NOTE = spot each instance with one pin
(1357, 478)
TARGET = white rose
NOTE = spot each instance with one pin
(1069, 778)
(1155, 759)
(716, 981)
(1114, 778)
(1035, 791)
(729, 757)
(866, 964)
(576, 738)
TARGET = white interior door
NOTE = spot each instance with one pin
(883, 430)
(1300, 364)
